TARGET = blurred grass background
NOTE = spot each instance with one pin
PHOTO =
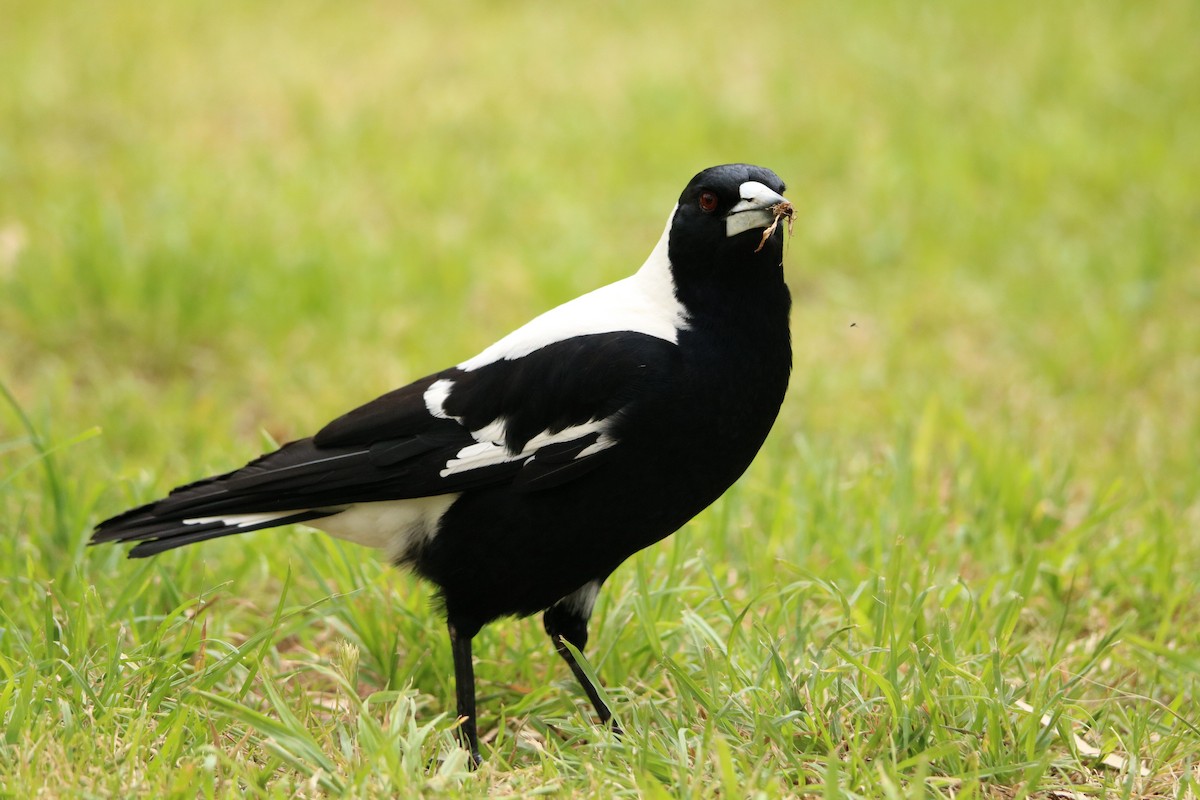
(229, 219)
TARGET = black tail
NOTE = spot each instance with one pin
(236, 502)
(157, 534)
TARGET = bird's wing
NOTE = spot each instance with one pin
(534, 422)
(539, 419)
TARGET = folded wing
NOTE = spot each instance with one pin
(535, 422)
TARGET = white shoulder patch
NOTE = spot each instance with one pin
(435, 397)
(645, 303)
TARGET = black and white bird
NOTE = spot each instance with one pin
(518, 480)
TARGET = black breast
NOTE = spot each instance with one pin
(501, 552)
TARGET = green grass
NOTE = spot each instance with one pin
(966, 559)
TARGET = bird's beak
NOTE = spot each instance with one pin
(756, 209)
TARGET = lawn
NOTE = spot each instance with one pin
(964, 565)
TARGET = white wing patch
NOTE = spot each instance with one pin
(645, 302)
(489, 449)
(603, 442)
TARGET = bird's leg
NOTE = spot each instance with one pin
(464, 690)
(567, 621)
(602, 709)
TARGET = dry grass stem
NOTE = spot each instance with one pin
(780, 210)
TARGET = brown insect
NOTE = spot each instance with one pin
(780, 210)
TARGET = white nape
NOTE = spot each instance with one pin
(645, 302)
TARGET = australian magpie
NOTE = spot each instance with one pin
(518, 480)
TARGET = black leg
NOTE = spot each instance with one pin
(464, 689)
(567, 621)
(602, 709)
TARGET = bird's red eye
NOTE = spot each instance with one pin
(708, 201)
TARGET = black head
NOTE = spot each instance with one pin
(720, 219)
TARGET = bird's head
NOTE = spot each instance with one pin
(722, 217)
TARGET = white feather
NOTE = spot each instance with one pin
(394, 526)
(435, 397)
(603, 442)
(490, 451)
(582, 600)
(241, 520)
